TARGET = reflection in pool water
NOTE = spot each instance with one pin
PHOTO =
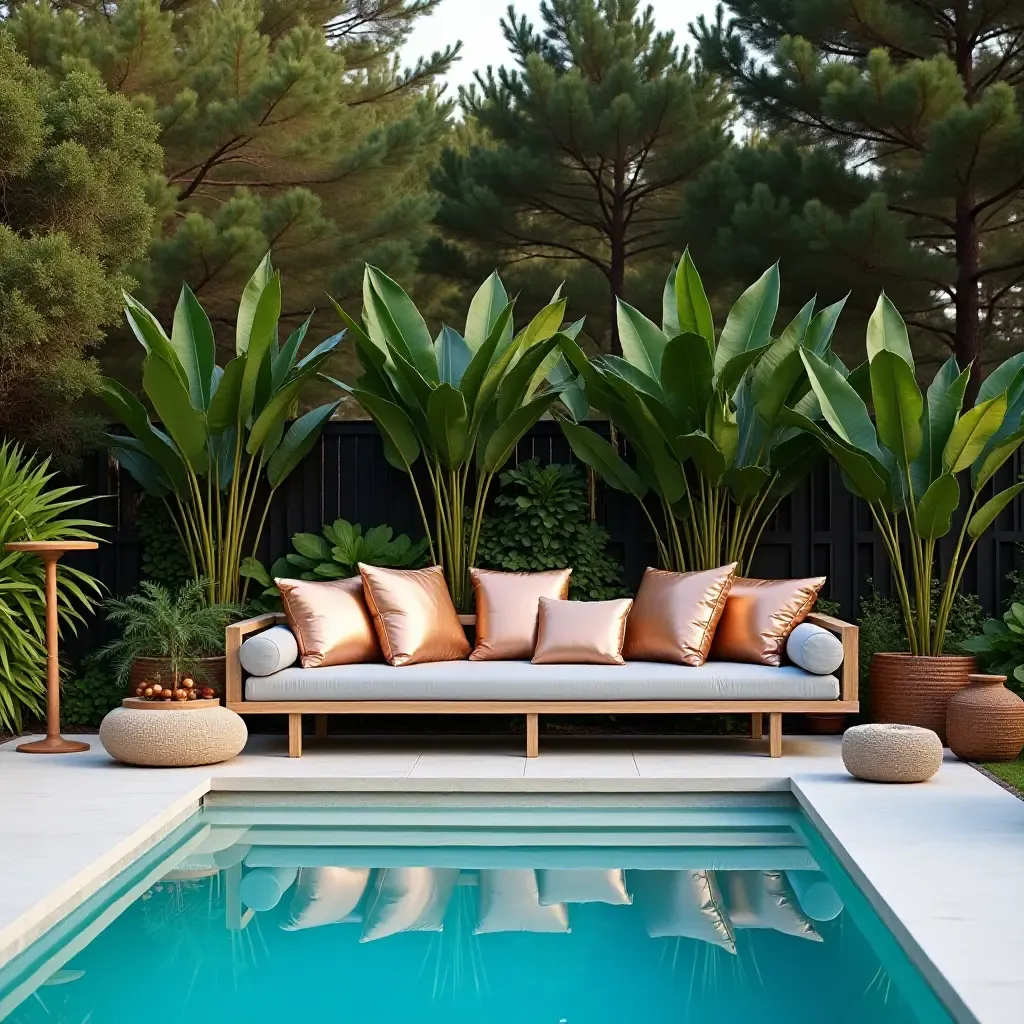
(546, 910)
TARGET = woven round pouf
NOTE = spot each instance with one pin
(891, 753)
(165, 737)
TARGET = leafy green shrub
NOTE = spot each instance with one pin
(31, 509)
(544, 522)
(174, 624)
(334, 555)
(1000, 646)
(163, 559)
(92, 692)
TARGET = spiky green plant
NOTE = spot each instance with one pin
(30, 509)
(176, 625)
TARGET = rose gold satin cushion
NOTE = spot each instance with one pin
(674, 615)
(331, 623)
(759, 616)
(507, 606)
(581, 632)
(413, 614)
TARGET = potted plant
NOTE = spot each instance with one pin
(701, 411)
(222, 448)
(462, 401)
(168, 636)
(909, 464)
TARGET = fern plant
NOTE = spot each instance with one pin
(335, 554)
(175, 625)
(30, 509)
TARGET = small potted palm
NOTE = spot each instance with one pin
(911, 461)
(172, 641)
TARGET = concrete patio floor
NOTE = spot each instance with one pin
(942, 863)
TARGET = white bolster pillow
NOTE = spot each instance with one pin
(814, 649)
(269, 652)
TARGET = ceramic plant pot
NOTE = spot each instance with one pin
(209, 672)
(985, 721)
(911, 689)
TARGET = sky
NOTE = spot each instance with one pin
(476, 23)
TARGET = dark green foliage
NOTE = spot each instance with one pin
(162, 558)
(1000, 646)
(581, 151)
(92, 692)
(921, 100)
(544, 522)
(334, 554)
(75, 161)
(161, 623)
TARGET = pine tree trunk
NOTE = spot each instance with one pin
(967, 341)
(617, 245)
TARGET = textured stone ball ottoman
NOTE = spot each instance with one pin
(163, 736)
(891, 753)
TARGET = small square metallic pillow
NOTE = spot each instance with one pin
(759, 616)
(507, 607)
(330, 621)
(581, 632)
(414, 616)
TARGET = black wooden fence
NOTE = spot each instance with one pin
(819, 530)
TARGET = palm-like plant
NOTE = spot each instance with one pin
(180, 627)
(462, 401)
(907, 462)
(30, 509)
(702, 414)
(223, 429)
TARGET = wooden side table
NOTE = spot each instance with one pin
(49, 551)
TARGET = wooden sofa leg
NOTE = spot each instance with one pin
(775, 733)
(320, 725)
(756, 725)
(295, 735)
(532, 736)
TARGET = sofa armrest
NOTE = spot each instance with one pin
(234, 635)
(849, 634)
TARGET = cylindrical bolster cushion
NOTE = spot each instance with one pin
(269, 652)
(262, 888)
(814, 649)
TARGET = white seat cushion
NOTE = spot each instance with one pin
(519, 680)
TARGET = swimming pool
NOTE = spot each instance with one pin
(382, 908)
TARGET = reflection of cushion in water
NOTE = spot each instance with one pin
(407, 900)
(582, 885)
(325, 896)
(818, 899)
(262, 888)
(764, 899)
(510, 902)
(683, 904)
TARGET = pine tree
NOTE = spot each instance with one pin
(286, 125)
(922, 101)
(589, 141)
(74, 162)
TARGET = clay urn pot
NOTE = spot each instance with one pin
(985, 720)
(913, 689)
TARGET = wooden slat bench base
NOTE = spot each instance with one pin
(532, 710)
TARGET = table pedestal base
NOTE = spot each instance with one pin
(52, 745)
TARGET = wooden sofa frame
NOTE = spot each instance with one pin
(532, 710)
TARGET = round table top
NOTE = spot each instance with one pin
(40, 546)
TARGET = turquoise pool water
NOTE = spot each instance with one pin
(476, 909)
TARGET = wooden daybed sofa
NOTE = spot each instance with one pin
(519, 688)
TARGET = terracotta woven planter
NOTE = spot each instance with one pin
(914, 689)
(985, 721)
(209, 672)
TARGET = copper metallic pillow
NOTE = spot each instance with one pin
(581, 632)
(674, 615)
(759, 616)
(330, 621)
(507, 606)
(413, 614)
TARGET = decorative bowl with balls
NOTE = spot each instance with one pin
(182, 691)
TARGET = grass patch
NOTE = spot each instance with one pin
(1009, 771)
